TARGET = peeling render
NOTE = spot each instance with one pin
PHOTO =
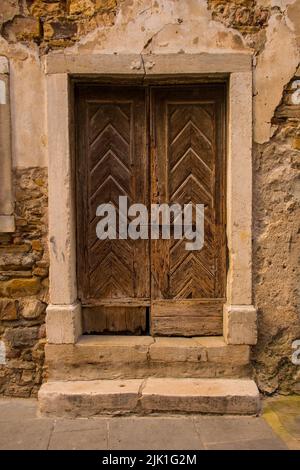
(270, 29)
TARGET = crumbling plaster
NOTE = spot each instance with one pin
(164, 26)
(275, 66)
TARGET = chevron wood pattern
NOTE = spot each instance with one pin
(111, 269)
(183, 163)
(188, 167)
(115, 165)
(191, 151)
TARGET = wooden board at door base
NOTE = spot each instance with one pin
(111, 319)
(186, 317)
(154, 144)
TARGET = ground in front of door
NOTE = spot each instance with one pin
(22, 428)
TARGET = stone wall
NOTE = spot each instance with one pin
(24, 287)
(55, 23)
(270, 29)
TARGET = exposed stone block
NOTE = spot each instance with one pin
(37, 245)
(27, 376)
(81, 7)
(244, 15)
(296, 143)
(41, 272)
(32, 308)
(22, 29)
(43, 8)
(60, 30)
(106, 4)
(8, 309)
(20, 287)
(240, 324)
(20, 337)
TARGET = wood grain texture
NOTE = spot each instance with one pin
(112, 162)
(188, 166)
(184, 163)
(110, 319)
(187, 317)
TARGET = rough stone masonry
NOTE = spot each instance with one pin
(268, 28)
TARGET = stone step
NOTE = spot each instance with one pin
(130, 357)
(146, 396)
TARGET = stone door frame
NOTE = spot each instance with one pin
(63, 320)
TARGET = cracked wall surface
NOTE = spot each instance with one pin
(270, 29)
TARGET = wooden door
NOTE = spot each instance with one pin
(113, 275)
(188, 165)
(154, 145)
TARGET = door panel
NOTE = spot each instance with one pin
(111, 162)
(118, 280)
(187, 317)
(111, 319)
(188, 166)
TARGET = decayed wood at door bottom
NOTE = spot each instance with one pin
(104, 319)
(187, 318)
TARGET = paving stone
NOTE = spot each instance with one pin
(229, 428)
(288, 411)
(153, 434)
(282, 413)
(80, 424)
(31, 434)
(23, 428)
(83, 439)
(16, 409)
(255, 444)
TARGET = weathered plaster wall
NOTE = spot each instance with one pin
(268, 28)
(276, 213)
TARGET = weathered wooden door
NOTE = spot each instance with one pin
(188, 166)
(113, 275)
(153, 145)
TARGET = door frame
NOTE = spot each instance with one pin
(63, 320)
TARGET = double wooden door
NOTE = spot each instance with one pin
(154, 145)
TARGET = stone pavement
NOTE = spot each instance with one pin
(22, 428)
(283, 414)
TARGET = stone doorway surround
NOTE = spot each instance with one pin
(63, 321)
